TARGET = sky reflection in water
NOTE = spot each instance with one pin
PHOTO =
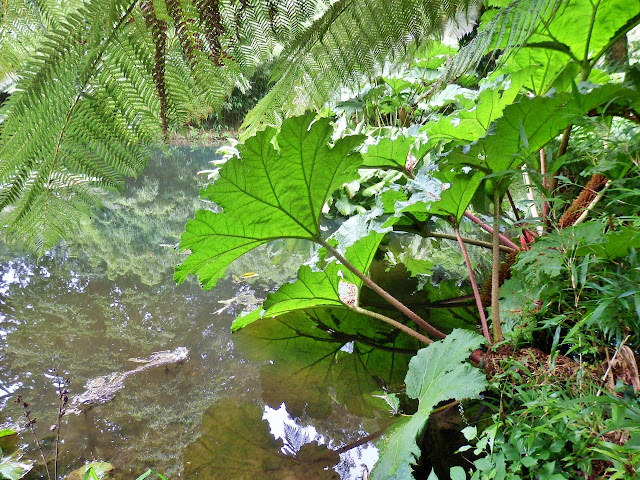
(92, 305)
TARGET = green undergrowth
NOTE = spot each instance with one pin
(522, 179)
(474, 231)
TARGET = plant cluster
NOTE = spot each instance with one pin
(503, 154)
(531, 158)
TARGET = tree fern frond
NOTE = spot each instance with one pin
(211, 23)
(52, 211)
(350, 40)
(158, 29)
(505, 33)
(72, 126)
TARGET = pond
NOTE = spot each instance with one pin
(262, 402)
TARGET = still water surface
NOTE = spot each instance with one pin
(90, 306)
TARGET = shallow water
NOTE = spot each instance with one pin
(90, 306)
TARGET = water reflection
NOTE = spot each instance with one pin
(242, 441)
(355, 459)
(92, 305)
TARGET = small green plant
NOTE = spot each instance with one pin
(553, 433)
(11, 467)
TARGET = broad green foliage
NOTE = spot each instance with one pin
(468, 125)
(388, 153)
(529, 124)
(437, 373)
(349, 40)
(309, 69)
(92, 471)
(602, 269)
(566, 53)
(553, 434)
(450, 198)
(268, 193)
(406, 160)
(612, 245)
(318, 288)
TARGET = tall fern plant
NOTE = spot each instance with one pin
(101, 86)
(108, 78)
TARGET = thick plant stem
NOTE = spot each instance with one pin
(474, 286)
(545, 184)
(447, 236)
(476, 357)
(526, 234)
(451, 301)
(383, 293)
(495, 270)
(564, 144)
(487, 228)
(513, 206)
(400, 326)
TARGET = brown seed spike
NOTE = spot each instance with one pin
(582, 201)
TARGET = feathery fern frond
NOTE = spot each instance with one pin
(158, 29)
(262, 29)
(505, 33)
(350, 40)
(88, 102)
(74, 124)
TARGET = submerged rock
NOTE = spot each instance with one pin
(102, 389)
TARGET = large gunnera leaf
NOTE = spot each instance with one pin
(580, 30)
(438, 372)
(389, 153)
(528, 125)
(275, 189)
(469, 125)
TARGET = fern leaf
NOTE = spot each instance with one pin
(352, 40)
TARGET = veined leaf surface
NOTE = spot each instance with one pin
(388, 153)
(560, 48)
(268, 193)
(472, 124)
(438, 372)
(528, 125)
(455, 194)
(322, 288)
